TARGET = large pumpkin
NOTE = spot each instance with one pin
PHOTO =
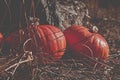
(1, 39)
(49, 42)
(83, 42)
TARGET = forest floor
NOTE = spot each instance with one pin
(68, 68)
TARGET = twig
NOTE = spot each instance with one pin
(16, 65)
(114, 56)
(20, 62)
(25, 44)
(8, 11)
(65, 74)
(73, 60)
(98, 61)
(8, 63)
(91, 51)
(25, 13)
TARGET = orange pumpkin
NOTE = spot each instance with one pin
(49, 42)
(16, 40)
(1, 39)
(83, 42)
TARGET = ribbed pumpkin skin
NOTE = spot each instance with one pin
(49, 42)
(1, 39)
(83, 42)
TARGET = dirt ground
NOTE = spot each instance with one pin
(68, 68)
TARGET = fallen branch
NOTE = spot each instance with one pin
(16, 65)
(20, 62)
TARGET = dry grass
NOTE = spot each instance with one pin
(68, 68)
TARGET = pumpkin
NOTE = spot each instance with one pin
(86, 43)
(16, 40)
(1, 39)
(48, 41)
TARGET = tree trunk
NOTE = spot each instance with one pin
(60, 13)
(63, 13)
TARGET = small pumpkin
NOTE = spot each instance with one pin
(16, 40)
(1, 39)
(84, 42)
(49, 42)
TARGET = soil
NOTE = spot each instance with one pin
(69, 68)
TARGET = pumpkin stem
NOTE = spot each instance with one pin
(94, 29)
(34, 21)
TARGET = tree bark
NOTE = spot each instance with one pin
(60, 13)
(63, 13)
